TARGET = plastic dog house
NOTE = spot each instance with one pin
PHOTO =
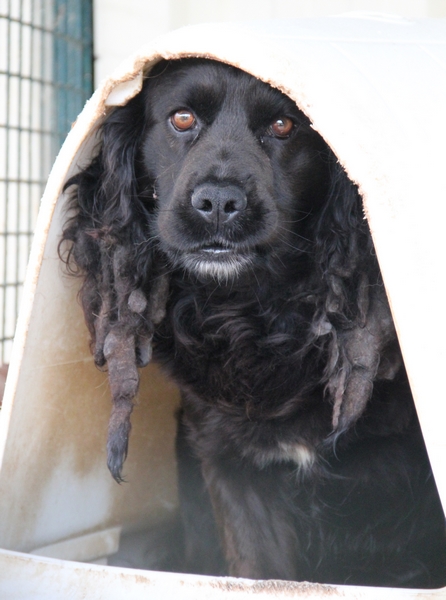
(375, 89)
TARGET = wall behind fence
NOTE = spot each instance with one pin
(121, 27)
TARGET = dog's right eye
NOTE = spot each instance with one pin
(183, 120)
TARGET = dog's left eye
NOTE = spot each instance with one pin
(281, 128)
(183, 120)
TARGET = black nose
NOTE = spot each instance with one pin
(218, 203)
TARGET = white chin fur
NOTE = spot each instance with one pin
(220, 270)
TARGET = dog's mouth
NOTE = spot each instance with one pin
(216, 249)
(217, 260)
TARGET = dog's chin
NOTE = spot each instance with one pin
(221, 265)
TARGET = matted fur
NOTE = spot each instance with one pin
(243, 257)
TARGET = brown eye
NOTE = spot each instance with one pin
(183, 120)
(281, 127)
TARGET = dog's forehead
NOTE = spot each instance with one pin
(198, 82)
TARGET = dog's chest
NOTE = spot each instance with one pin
(240, 352)
(209, 345)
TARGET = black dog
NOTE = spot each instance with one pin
(216, 225)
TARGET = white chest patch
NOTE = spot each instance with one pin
(302, 456)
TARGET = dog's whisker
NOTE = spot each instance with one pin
(292, 246)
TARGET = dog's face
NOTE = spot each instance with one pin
(237, 169)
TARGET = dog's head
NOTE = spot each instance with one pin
(235, 166)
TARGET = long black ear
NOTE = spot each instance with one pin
(124, 292)
(355, 318)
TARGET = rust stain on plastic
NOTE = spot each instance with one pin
(285, 588)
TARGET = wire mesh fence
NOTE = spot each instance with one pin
(45, 78)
